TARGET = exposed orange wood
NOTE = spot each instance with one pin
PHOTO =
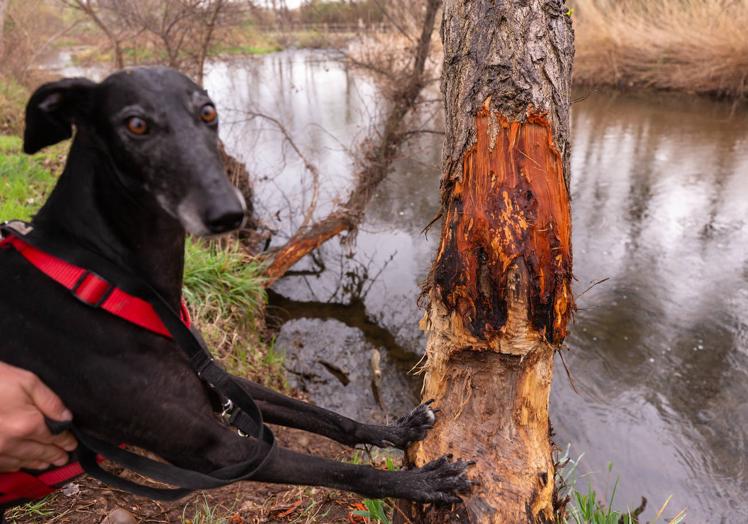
(511, 202)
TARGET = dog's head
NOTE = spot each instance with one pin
(160, 131)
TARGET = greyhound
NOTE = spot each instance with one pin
(144, 169)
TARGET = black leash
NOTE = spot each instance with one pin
(240, 409)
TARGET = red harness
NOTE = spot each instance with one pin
(93, 290)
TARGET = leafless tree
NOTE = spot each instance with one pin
(402, 75)
(179, 33)
(28, 30)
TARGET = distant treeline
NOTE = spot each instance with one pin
(341, 12)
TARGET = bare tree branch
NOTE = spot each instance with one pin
(312, 168)
(374, 166)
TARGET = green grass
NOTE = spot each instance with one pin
(24, 180)
(222, 281)
(31, 510)
(203, 513)
(376, 510)
(245, 49)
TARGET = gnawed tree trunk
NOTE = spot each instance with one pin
(499, 293)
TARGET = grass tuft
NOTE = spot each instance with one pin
(590, 507)
(222, 281)
(203, 512)
(31, 510)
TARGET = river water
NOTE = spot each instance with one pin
(658, 352)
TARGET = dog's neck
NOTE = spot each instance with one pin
(95, 206)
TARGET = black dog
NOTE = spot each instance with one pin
(143, 168)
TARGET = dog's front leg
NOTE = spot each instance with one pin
(439, 481)
(286, 411)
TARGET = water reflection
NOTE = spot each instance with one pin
(659, 351)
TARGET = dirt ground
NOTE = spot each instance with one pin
(243, 503)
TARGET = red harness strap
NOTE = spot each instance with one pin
(91, 289)
(19, 486)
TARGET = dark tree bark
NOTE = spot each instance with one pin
(499, 293)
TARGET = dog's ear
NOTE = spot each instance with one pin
(53, 109)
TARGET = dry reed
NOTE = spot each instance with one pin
(698, 46)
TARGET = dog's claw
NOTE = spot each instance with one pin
(414, 426)
(442, 479)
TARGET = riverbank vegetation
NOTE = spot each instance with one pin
(698, 46)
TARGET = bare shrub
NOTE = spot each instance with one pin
(30, 31)
(177, 33)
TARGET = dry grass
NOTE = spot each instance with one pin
(698, 46)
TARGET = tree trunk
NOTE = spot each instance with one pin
(499, 292)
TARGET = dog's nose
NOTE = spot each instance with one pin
(224, 220)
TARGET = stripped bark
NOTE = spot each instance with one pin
(374, 167)
(499, 292)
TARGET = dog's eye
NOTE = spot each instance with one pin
(137, 126)
(208, 114)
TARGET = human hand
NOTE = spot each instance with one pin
(25, 440)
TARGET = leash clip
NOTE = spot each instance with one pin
(228, 414)
(228, 408)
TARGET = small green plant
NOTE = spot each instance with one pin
(587, 507)
(204, 513)
(31, 510)
(376, 511)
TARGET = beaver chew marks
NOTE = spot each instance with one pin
(510, 202)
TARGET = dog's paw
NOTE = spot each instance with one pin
(414, 426)
(441, 480)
